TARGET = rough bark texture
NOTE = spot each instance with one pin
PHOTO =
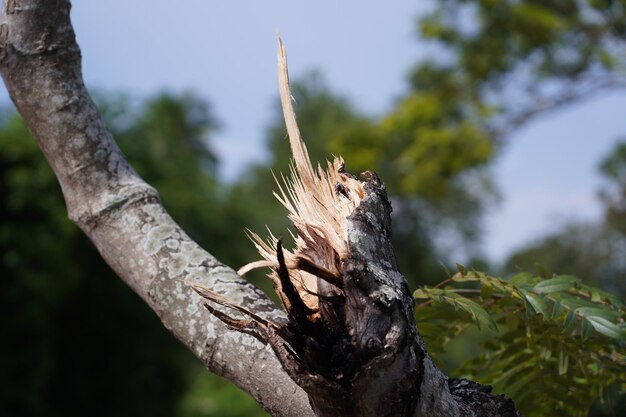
(389, 372)
(382, 360)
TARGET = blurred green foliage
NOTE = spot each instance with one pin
(595, 250)
(516, 59)
(75, 339)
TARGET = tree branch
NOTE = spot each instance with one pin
(122, 215)
(574, 91)
(358, 357)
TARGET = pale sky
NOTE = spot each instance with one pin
(225, 51)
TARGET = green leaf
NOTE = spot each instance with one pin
(596, 296)
(607, 328)
(557, 309)
(561, 283)
(530, 311)
(464, 276)
(538, 303)
(479, 314)
(563, 362)
(585, 330)
(420, 294)
(496, 283)
(486, 292)
(570, 320)
(573, 301)
(522, 279)
(604, 312)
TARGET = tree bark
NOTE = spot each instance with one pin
(40, 63)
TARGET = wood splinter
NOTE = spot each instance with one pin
(336, 324)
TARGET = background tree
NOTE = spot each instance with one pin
(498, 65)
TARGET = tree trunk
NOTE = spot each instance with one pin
(367, 361)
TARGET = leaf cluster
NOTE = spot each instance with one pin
(553, 345)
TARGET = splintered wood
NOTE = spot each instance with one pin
(319, 202)
(349, 339)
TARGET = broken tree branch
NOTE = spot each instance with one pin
(122, 215)
(348, 339)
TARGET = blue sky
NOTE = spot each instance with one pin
(225, 51)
